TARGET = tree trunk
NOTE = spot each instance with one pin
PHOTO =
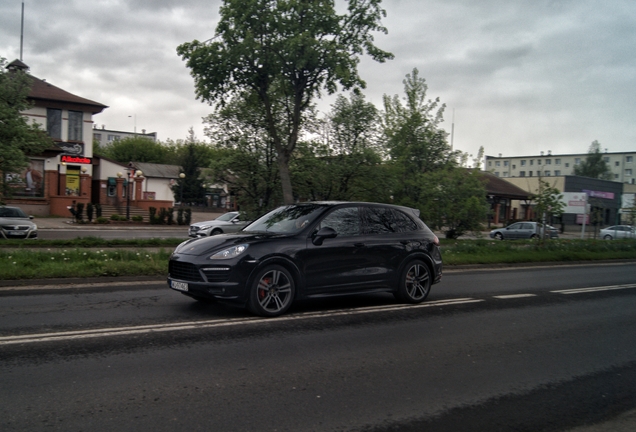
(285, 178)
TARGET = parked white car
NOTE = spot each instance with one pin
(14, 223)
(618, 232)
(228, 222)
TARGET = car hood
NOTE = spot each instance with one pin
(209, 223)
(16, 221)
(206, 245)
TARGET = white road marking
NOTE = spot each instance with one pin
(594, 289)
(513, 296)
(191, 325)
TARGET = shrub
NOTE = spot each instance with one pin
(138, 218)
(98, 207)
(180, 216)
(163, 215)
(89, 212)
(116, 217)
(79, 210)
(170, 215)
(102, 220)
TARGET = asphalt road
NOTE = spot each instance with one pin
(536, 349)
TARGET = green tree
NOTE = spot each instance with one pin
(594, 166)
(453, 201)
(136, 149)
(18, 138)
(548, 202)
(344, 164)
(285, 52)
(189, 187)
(246, 158)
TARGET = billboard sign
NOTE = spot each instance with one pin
(575, 202)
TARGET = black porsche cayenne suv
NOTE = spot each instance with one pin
(313, 249)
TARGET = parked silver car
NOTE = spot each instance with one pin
(618, 232)
(14, 223)
(523, 230)
(228, 222)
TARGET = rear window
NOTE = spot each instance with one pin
(383, 220)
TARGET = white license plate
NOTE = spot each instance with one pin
(18, 233)
(181, 286)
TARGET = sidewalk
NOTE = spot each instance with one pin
(46, 223)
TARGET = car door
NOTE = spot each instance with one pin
(338, 264)
(513, 231)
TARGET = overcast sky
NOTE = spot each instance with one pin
(520, 76)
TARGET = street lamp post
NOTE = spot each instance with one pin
(181, 176)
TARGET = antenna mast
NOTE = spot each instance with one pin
(22, 32)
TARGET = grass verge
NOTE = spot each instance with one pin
(95, 257)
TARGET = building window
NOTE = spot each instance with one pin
(522, 173)
(616, 176)
(548, 161)
(539, 162)
(606, 159)
(557, 161)
(54, 123)
(617, 163)
(514, 166)
(629, 159)
(497, 173)
(489, 163)
(531, 162)
(628, 172)
(112, 138)
(75, 120)
(523, 162)
(530, 174)
(497, 163)
(505, 163)
(567, 164)
(505, 174)
(97, 137)
(557, 172)
(546, 173)
(577, 161)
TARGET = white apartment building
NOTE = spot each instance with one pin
(621, 165)
(106, 136)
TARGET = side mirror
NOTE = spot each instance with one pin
(322, 234)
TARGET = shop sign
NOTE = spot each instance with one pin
(599, 194)
(76, 159)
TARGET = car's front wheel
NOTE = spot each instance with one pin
(607, 237)
(216, 231)
(498, 236)
(272, 291)
(415, 282)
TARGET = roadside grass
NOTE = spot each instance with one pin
(89, 242)
(95, 257)
(462, 252)
(81, 262)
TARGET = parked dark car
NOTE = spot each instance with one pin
(311, 250)
(14, 223)
(523, 230)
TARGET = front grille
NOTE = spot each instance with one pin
(16, 227)
(184, 271)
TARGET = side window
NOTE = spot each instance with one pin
(403, 222)
(515, 226)
(346, 221)
(378, 220)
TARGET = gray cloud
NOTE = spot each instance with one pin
(521, 77)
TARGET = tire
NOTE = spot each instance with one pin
(534, 236)
(272, 291)
(607, 237)
(498, 236)
(216, 231)
(415, 282)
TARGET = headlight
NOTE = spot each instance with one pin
(204, 227)
(232, 252)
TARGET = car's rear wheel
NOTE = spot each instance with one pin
(272, 291)
(498, 236)
(607, 237)
(415, 282)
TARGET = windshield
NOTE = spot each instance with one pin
(12, 213)
(227, 217)
(286, 220)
